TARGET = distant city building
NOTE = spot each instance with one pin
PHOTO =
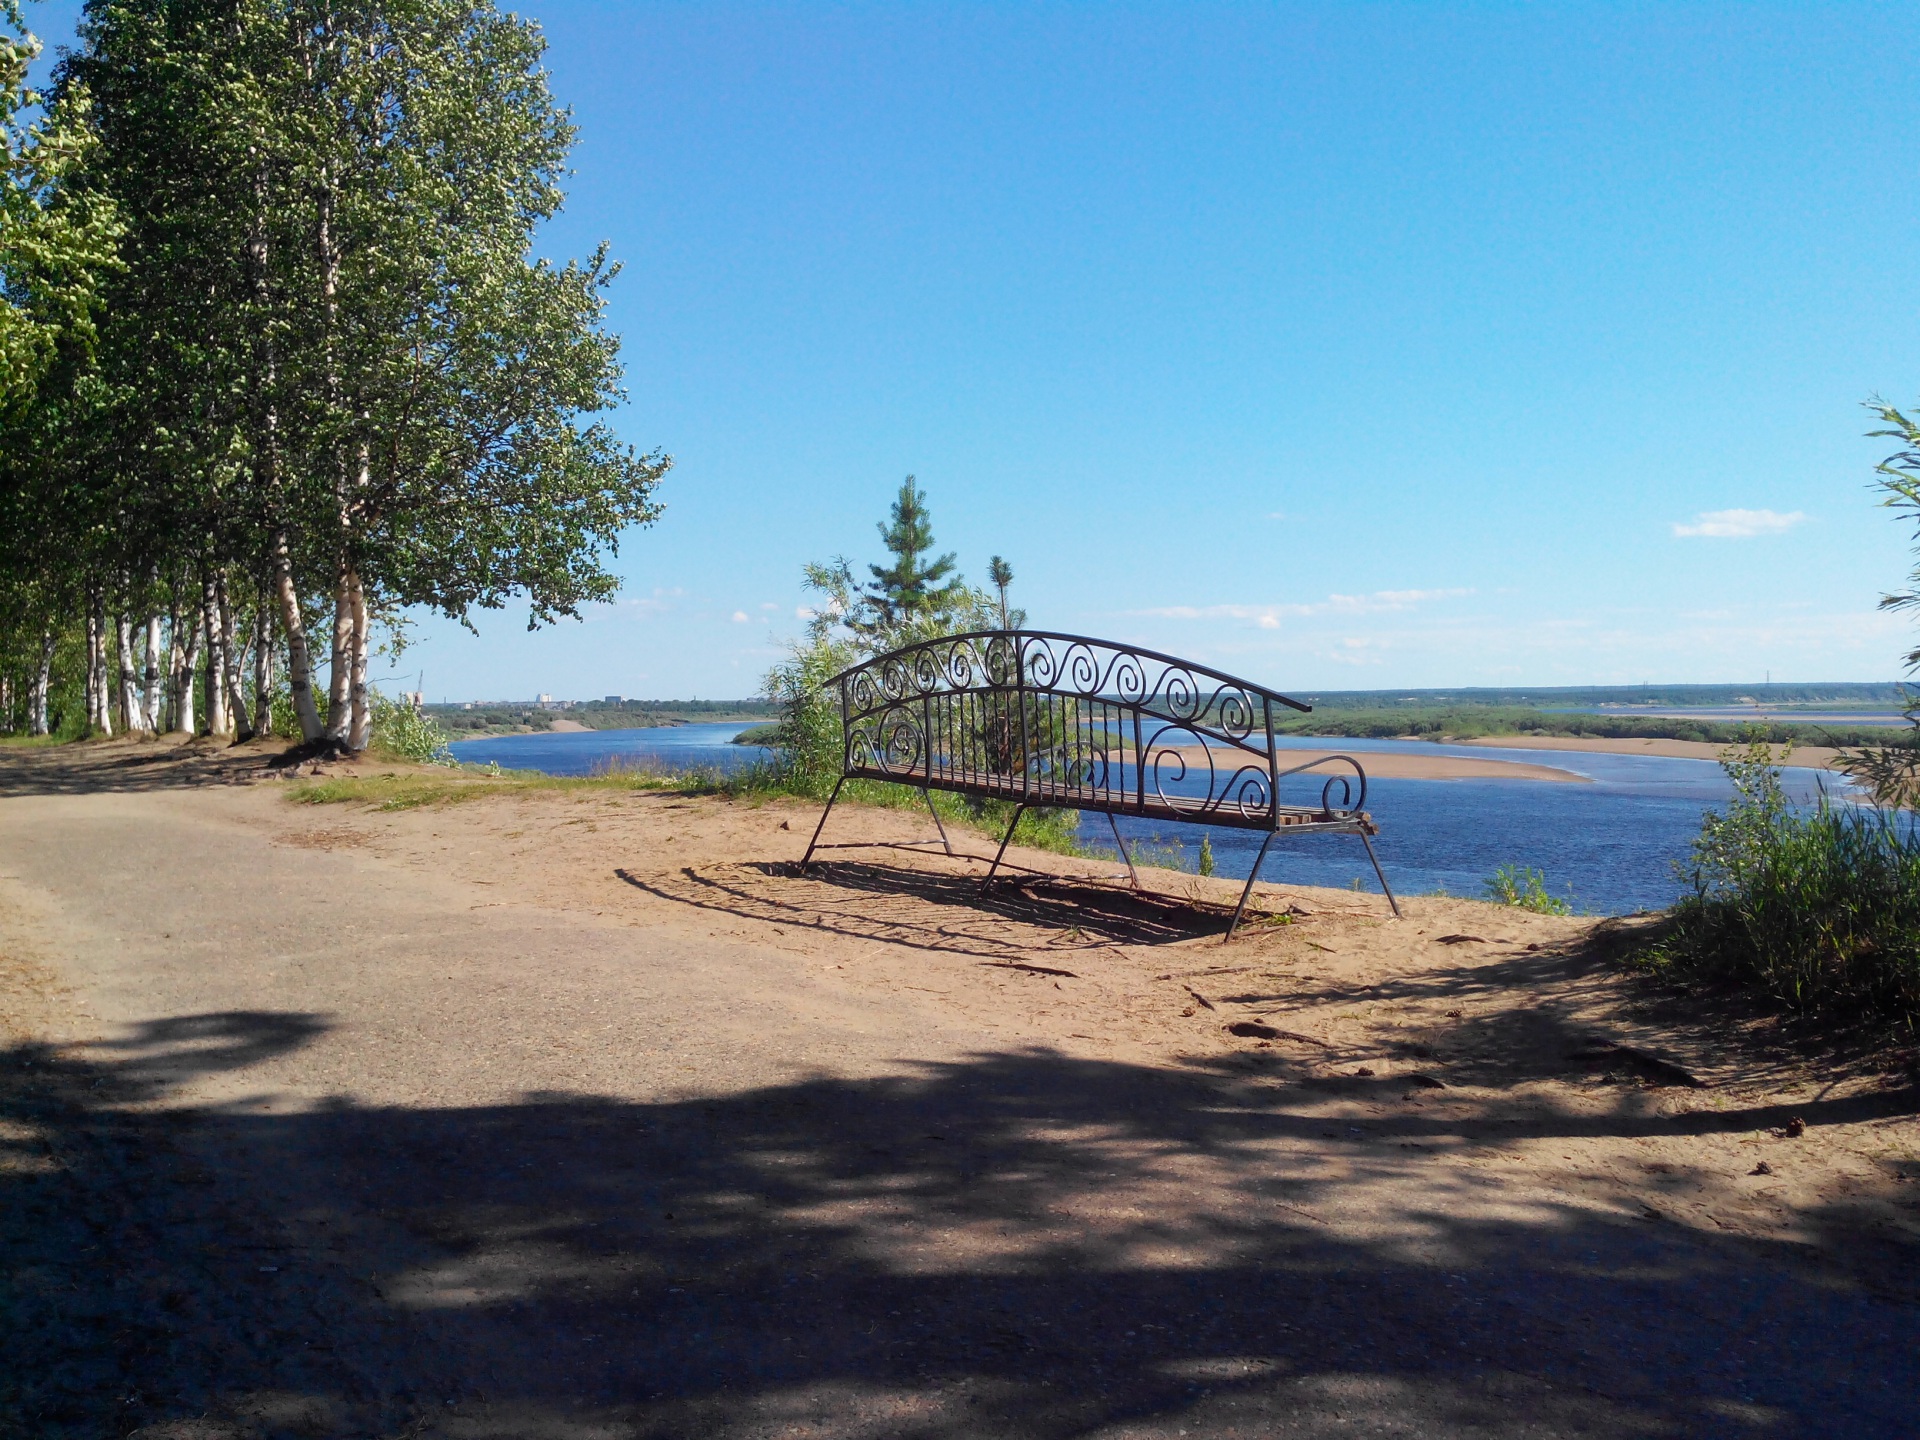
(546, 699)
(616, 699)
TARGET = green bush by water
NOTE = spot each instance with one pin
(1525, 888)
(404, 733)
(1820, 908)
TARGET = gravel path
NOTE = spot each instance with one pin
(301, 1141)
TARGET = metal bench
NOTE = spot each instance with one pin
(1068, 722)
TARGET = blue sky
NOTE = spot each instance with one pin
(1344, 346)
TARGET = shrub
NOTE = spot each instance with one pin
(1819, 908)
(808, 735)
(1524, 887)
(404, 733)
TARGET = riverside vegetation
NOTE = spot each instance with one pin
(1818, 909)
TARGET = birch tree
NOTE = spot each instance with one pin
(376, 395)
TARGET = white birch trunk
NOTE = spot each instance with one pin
(218, 721)
(99, 703)
(362, 729)
(153, 704)
(132, 713)
(232, 663)
(88, 698)
(42, 683)
(263, 668)
(299, 657)
(340, 677)
(186, 660)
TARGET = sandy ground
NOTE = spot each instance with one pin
(1813, 757)
(584, 1115)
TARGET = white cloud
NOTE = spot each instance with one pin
(804, 612)
(1268, 617)
(1739, 524)
(661, 600)
(740, 617)
(769, 604)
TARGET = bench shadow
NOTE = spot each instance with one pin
(1018, 1243)
(931, 910)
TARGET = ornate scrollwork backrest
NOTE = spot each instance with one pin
(1161, 688)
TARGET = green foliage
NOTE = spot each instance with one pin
(1205, 864)
(402, 732)
(57, 239)
(912, 591)
(809, 735)
(1000, 576)
(1819, 909)
(1525, 888)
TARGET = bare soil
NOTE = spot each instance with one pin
(584, 1113)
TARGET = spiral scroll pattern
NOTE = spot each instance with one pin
(1053, 719)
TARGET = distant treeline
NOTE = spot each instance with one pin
(492, 718)
(1460, 723)
(1550, 696)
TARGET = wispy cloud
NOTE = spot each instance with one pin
(1739, 524)
(740, 617)
(1268, 617)
(660, 601)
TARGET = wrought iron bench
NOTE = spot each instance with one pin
(1064, 721)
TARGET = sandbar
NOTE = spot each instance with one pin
(1395, 765)
(1811, 757)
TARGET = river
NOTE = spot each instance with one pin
(1608, 846)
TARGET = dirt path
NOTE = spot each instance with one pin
(557, 1116)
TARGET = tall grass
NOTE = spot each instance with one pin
(1818, 908)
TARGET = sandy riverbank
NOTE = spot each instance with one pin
(563, 1110)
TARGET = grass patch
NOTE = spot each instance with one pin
(453, 785)
(1054, 830)
(1817, 909)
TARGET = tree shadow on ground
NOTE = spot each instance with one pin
(121, 766)
(1018, 1244)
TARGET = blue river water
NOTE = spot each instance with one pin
(1609, 846)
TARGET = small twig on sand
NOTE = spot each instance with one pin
(1254, 1030)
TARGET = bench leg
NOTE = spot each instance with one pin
(936, 819)
(1018, 811)
(1132, 873)
(1252, 875)
(1382, 874)
(823, 823)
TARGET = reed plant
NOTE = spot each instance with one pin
(1818, 907)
